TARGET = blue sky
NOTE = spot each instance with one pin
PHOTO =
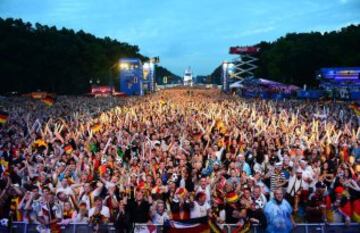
(183, 33)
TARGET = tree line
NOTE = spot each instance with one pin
(295, 57)
(39, 57)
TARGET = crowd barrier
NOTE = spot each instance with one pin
(166, 86)
(266, 95)
(355, 95)
(21, 227)
(310, 94)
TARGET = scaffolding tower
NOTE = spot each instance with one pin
(241, 67)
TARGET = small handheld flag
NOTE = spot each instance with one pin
(232, 197)
(356, 108)
(49, 101)
(68, 149)
(3, 117)
(96, 128)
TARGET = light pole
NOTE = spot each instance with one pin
(225, 80)
(91, 85)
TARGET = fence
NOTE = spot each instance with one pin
(20, 227)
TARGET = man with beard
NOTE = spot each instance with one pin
(278, 214)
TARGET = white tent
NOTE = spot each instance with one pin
(237, 84)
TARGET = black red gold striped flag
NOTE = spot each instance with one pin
(68, 149)
(48, 100)
(356, 108)
(3, 117)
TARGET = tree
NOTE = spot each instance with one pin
(296, 57)
(45, 58)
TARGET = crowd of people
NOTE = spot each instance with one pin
(179, 154)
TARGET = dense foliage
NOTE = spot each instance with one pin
(296, 57)
(162, 72)
(38, 57)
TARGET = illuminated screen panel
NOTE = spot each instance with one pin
(131, 76)
(341, 73)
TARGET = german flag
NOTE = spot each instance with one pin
(4, 166)
(102, 169)
(3, 117)
(181, 192)
(220, 125)
(68, 149)
(214, 228)
(55, 228)
(14, 204)
(96, 128)
(141, 185)
(356, 213)
(232, 197)
(356, 108)
(49, 101)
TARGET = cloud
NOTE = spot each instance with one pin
(187, 32)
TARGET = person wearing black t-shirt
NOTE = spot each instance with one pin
(139, 208)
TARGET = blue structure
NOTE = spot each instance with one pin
(340, 74)
(131, 76)
(340, 82)
(149, 77)
(310, 94)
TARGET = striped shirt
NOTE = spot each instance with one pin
(276, 179)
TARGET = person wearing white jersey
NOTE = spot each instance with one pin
(205, 188)
(159, 215)
(200, 207)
